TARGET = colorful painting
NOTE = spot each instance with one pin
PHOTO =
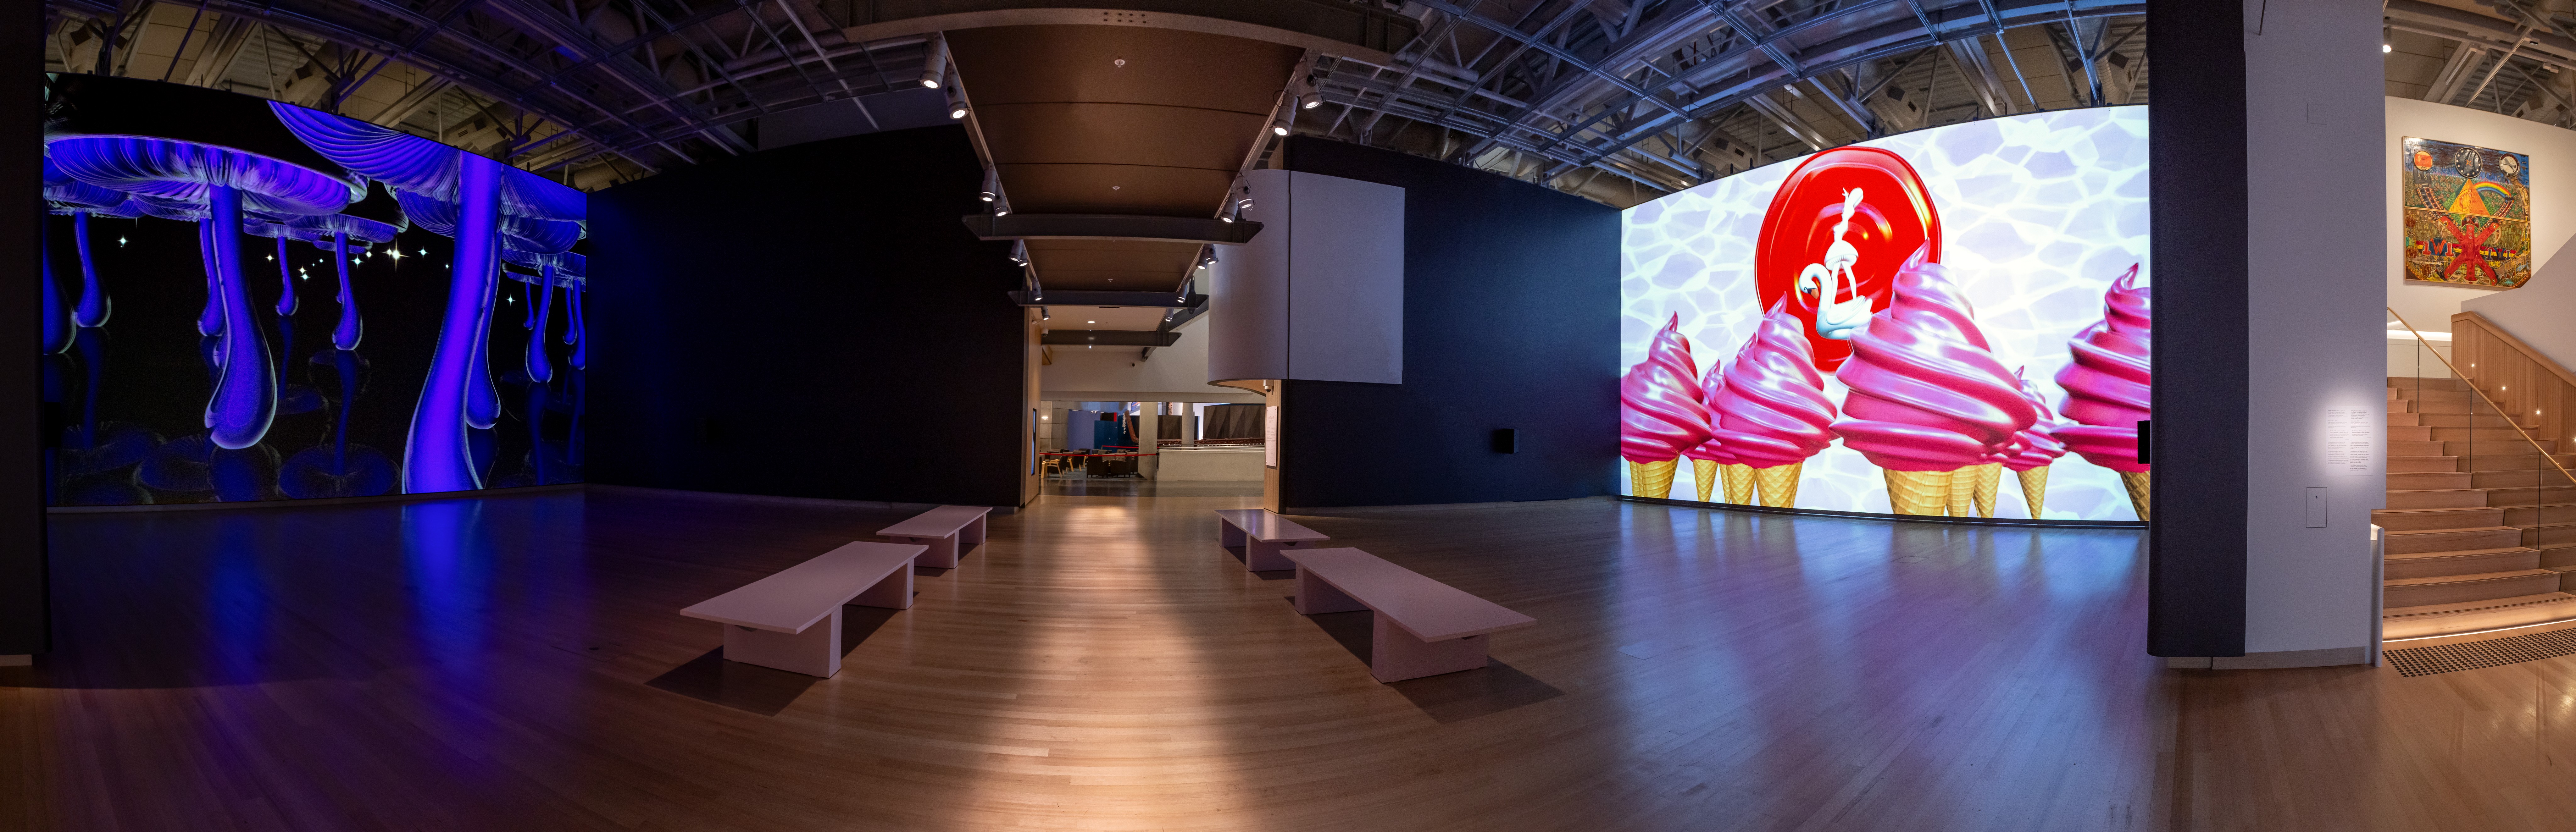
(2468, 213)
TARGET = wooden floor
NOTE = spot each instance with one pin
(517, 663)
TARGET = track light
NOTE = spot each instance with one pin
(934, 65)
(1309, 96)
(986, 196)
(1279, 126)
(957, 110)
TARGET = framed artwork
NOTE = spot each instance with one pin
(2467, 214)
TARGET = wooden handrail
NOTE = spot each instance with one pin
(2516, 343)
(2482, 394)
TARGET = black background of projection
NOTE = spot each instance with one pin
(153, 380)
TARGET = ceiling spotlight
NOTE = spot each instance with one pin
(1310, 101)
(958, 111)
(986, 196)
(935, 64)
(1279, 126)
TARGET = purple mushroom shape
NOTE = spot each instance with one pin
(438, 454)
(564, 269)
(81, 200)
(524, 235)
(375, 220)
(226, 180)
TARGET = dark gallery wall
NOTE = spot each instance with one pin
(2196, 551)
(1511, 320)
(810, 321)
(24, 616)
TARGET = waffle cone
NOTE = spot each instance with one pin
(1779, 484)
(1739, 484)
(2034, 488)
(1962, 496)
(1704, 475)
(1918, 492)
(1990, 477)
(2136, 482)
(1651, 479)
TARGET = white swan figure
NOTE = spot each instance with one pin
(1839, 320)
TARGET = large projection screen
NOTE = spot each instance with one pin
(1953, 322)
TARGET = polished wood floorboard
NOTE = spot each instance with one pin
(518, 663)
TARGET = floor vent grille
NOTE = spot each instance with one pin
(2447, 658)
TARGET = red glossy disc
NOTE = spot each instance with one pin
(1896, 217)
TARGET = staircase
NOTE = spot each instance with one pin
(2478, 539)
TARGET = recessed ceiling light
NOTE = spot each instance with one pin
(1090, 322)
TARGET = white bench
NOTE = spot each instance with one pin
(1423, 627)
(792, 620)
(1263, 536)
(947, 530)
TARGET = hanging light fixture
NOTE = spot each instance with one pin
(935, 64)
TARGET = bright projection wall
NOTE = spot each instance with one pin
(246, 300)
(1953, 321)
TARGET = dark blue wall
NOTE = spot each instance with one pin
(811, 321)
(1511, 320)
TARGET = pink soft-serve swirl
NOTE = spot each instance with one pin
(1771, 408)
(2107, 387)
(1660, 413)
(2035, 446)
(1926, 392)
(1713, 386)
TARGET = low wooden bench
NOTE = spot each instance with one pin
(948, 530)
(1423, 627)
(792, 620)
(1263, 536)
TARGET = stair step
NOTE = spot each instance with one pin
(2425, 519)
(2555, 557)
(2418, 406)
(2401, 433)
(2495, 434)
(2463, 562)
(2526, 460)
(2466, 447)
(2438, 498)
(2423, 464)
(2476, 616)
(2428, 480)
(2550, 535)
(2546, 514)
(2484, 586)
(2461, 420)
(2448, 540)
(2418, 449)
(2444, 381)
(2545, 480)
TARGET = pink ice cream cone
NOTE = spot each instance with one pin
(1660, 412)
(1771, 409)
(2108, 385)
(1927, 394)
(2034, 448)
(1711, 461)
